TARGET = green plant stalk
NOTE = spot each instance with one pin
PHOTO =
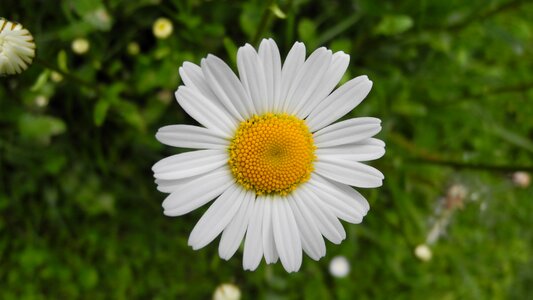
(67, 75)
(267, 12)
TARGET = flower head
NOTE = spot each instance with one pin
(17, 48)
(270, 153)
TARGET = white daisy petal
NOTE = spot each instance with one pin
(227, 87)
(347, 204)
(346, 132)
(294, 61)
(366, 150)
(269, 245)
(286, 235)
(349, 172)
(189, 197)
(170, 185)
(343, 192)
(332, 76)
(339, 103)
(16, 61)
(309, 75)
(188, 136)
(234, 232)
(216, 218)
(17, 48)
(253, 244)
(189, 164)
(326, 221)
(193, 77)
(312, 241)
(269, 55)
(252, 75)
(205, 112)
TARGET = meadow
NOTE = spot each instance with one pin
(80, 216)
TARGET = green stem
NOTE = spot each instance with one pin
(263, 22)
(472, 166)
(422, 156)
(67, 75)
(337, 29)
(512, 5)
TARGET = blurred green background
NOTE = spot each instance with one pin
(453, 83)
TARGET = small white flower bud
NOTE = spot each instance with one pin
(339, 266)
(227, 291)
(521, 179)
(80, 46)
(423, 252)
(162, 28)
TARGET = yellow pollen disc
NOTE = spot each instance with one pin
(272, 153)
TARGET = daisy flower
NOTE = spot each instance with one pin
(270, 153)
(17, 48)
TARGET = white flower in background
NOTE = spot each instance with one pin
(227, 291)
(133, 48)
(272, 156)
(41, 101)
(56, 77)
(17, 48)
(423, 252)
(455, 196)
(339, 267)
(521, 179)
(162, 28)
(80, 46)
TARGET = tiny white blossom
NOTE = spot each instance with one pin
(56, 76)
(521, 179)
(162, 28)
(80, 46)
(339, 266)
(227, 291)
(423, 252)
(41, 101)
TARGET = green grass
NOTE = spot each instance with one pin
(453, 84)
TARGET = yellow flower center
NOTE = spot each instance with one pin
(272, 153)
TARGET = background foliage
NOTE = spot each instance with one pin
(453, 83)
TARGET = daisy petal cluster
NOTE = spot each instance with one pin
(269, 153)
(17, 48)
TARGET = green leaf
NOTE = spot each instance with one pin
(62, 61)
(130, 113)
(100, 112)
(40, 128)
(512, 137)
(394, 24)
(307, 31)
(231, 49)
(41, 81)
(277, 11)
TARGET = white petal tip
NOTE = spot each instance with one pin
(169, 213)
